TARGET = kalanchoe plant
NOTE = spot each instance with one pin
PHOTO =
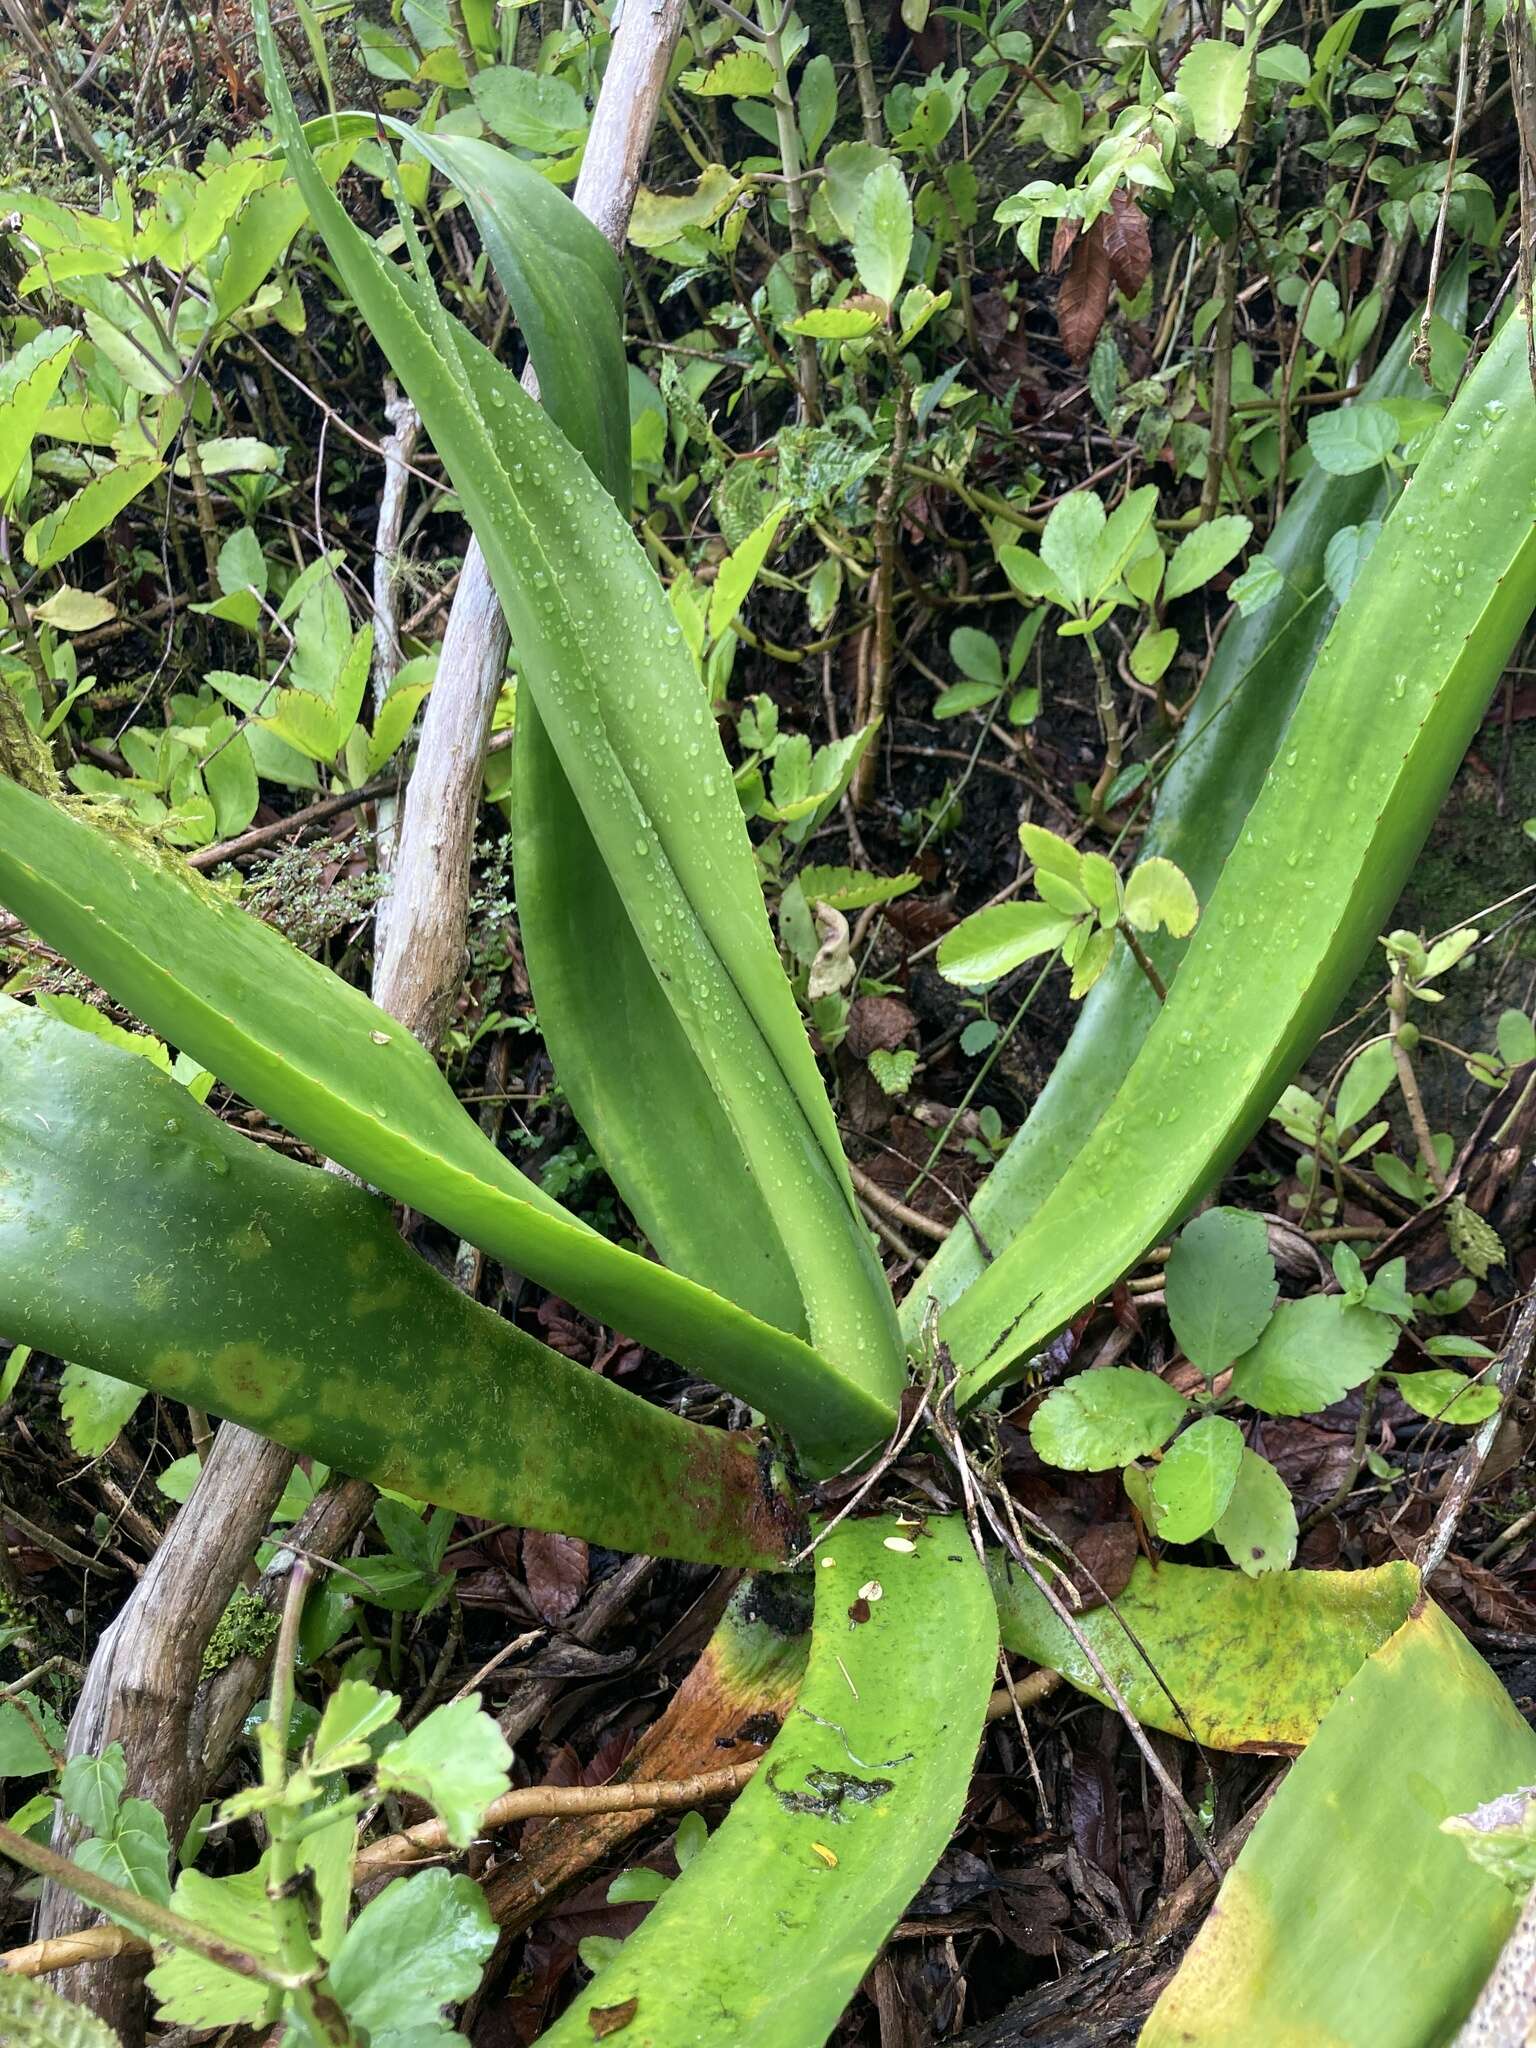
(143, 1238)
(1083, 908)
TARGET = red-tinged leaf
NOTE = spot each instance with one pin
(1083, 299)
(1062, 241)
(611, 2019)
(1127, 244)
(555, 1568)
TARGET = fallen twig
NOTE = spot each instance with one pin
(412, 1845)
(1511, 1363)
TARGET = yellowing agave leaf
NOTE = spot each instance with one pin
(1350, 1920)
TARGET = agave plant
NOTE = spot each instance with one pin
(142, 1237)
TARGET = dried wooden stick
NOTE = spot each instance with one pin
(891, 1205)
(1511, 1363)
(556, 1802)
(437, 821)
(428, 1838)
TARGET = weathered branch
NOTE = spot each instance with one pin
(437, 825)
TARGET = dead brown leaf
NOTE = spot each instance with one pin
(1062, 242)
(555, 1569)
(1127, 244)
(1083, 299)
(878, 1024)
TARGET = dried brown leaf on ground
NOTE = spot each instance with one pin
(555, 1568)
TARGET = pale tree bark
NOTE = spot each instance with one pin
(437, 828)
(143, 1687)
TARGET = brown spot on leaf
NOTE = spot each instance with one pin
(611, 2019)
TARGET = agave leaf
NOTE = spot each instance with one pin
(1349, 1920)
(565, 288)
(766, 1935)
(621, 701)
(1227, 748)
(33, 2015)
(343, 1075)
(142, 1237)
(652, 1113)
(1367, 759)
(1252, 1663)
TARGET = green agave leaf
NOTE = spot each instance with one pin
(1349, 1920)
(564, 285)
(1253, 1663)
(342, 1074)
(141, 1236)
(763, 1939)
(34, 2016)
(1231, 738)
(652, 1115)
(1367, 759)
(621, 701)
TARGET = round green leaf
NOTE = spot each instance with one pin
(1352, 439)
(834, 323)
(1257, 1528)
(882, 232)
(1448, 1396)
(1105, 1417)
(1203, 553)
(1158, 893)
(1221, 1287)
(1311, 1354)
(1213, 78)
(993, 942)
(1194, 1482)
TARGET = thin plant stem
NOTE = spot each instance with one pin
(809, 377)
(1109, 725)
(886, 514)
(864, 71)
(1226, 290)
(1408, 1080)
(1142, 958)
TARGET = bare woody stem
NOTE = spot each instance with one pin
(1142, 958)
(1408, 1080)
(864, 72)
(1109, 725)
(430, 1838)
(288, 1889)
(1226, 291)
(886, 515)
(559, 1802)
(808, 377)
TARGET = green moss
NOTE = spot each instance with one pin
(245, 1629)
(23, 756)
